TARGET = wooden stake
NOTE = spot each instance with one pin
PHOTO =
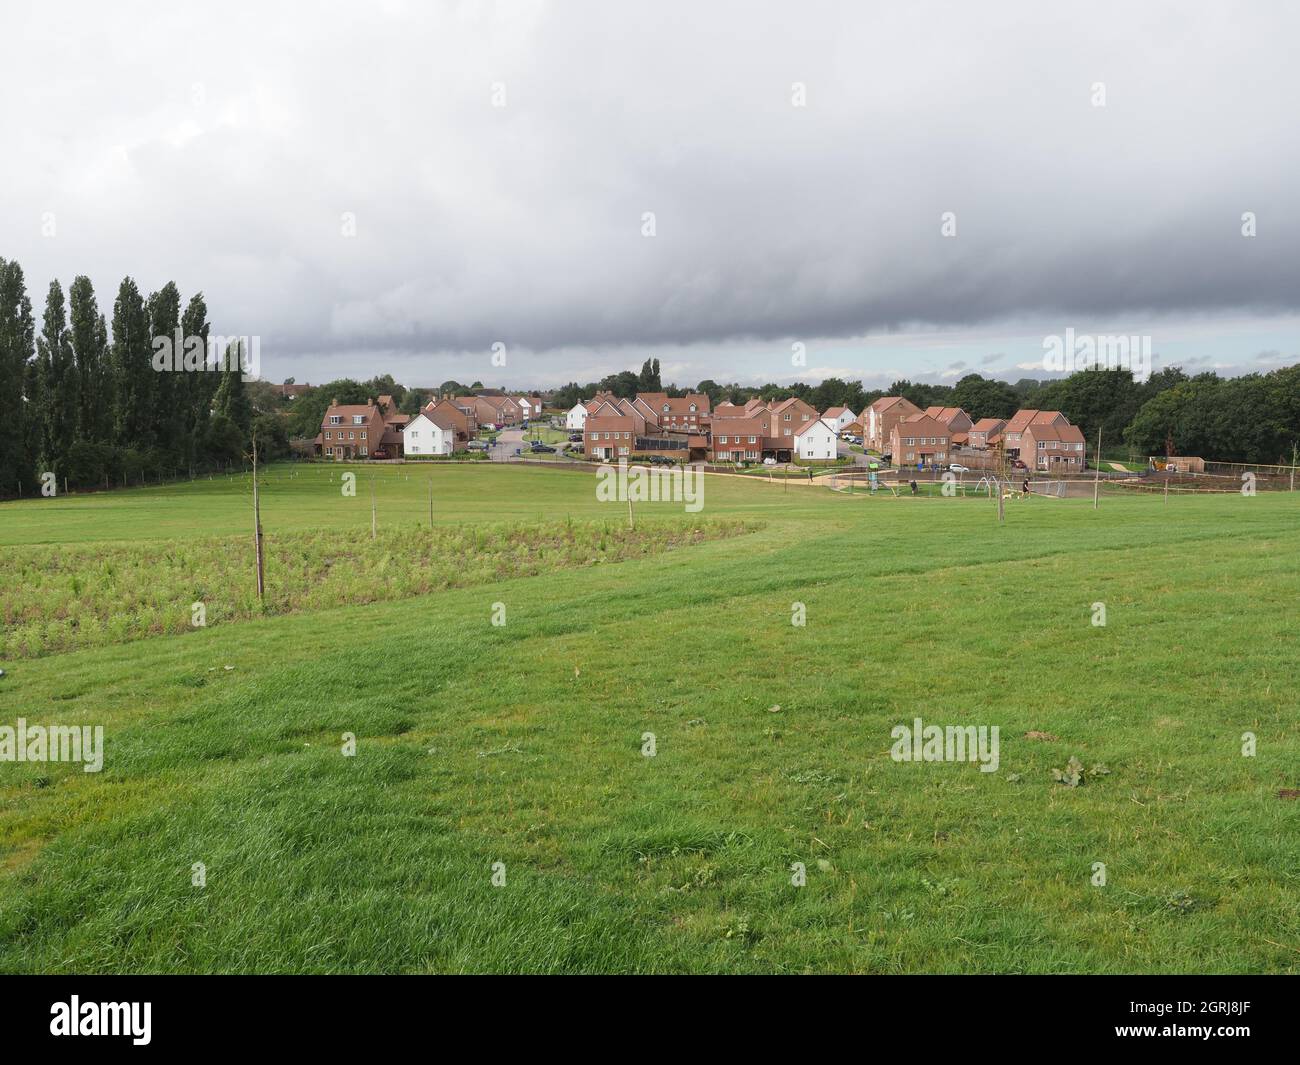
(257, 529)
(1096, 481)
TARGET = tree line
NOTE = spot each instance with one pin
(82, 399)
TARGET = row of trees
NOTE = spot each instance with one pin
(87, 403)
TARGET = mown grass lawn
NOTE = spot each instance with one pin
(522, 744)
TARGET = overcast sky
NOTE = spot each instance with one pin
(226, 146)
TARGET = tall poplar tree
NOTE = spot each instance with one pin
(55, 407)
(89, 334)
(131, 370)
(168, 385)
(16, 334)
(201, 387)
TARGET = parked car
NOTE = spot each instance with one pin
(957, 467)
(769, 461)
(575, 438)
(540, 448)
(379, 453)
(477, 445)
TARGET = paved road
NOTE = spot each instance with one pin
(507, 441)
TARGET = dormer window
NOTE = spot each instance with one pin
(692, 408)
(358, 419)
(336, 419)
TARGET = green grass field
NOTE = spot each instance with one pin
(522, 743)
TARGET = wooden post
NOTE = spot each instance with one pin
(1002, 507)
(257, 529)
(1294, 450)
(1096, 481)
(430, 500)
(1166, 486)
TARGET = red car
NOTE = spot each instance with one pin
(379, 453)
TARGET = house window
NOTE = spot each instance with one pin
(327, 434)
(786, 417)
(361, 450)
(722, 440)
(358, 419)
(693, 408)
(336, 419)
(753, 440)
(363, 434)
(352, 436)
(329, 451)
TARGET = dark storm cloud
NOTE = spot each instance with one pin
(237, 170)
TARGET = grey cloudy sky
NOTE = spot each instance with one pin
(221, 145)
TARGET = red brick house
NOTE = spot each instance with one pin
(740, 439)
(919, 440)
(1053, 448)
(446, 415)
(790, 417)
(1021, 420)
(609, 436)
(985, 433)
(880, 418)
(352, 431)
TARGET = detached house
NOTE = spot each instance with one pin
(879, 419)
(576, 417)
(352, 431)
(530, 407)
(985, 433)
(840, 417)
(1021, 420)
(919, 440)
(957, 421)
(431, 432)
(817, 440)
(739, 439)
(789, 417)
(609, 435)
(1053, 448)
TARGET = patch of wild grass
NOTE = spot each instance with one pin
(65, 597)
